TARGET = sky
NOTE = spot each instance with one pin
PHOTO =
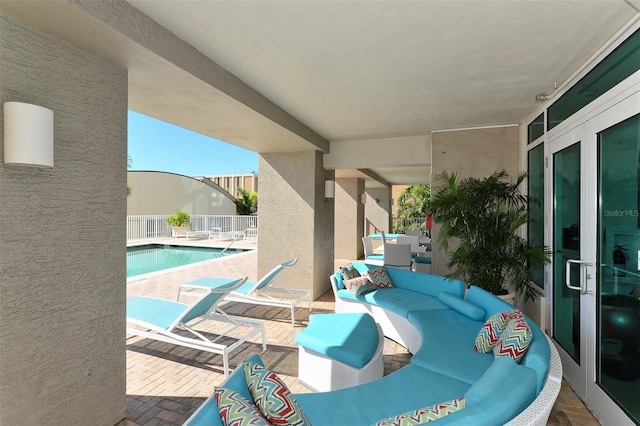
(160, 146)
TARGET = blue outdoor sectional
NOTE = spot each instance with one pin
(437, 320)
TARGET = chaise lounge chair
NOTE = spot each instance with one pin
(265, 292)
(166, 320)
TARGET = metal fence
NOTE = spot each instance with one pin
(410, 224)
(156, 226)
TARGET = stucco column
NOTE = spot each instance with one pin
(349, 219)
(295, 219)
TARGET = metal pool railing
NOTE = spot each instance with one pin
(156, 226)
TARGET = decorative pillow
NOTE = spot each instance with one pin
(467, 309)
(272, 397)
(490, 332)
(379, 277)
(349, 272)
(236, 410)
(514, 340)
(424, 415)
(360, 285)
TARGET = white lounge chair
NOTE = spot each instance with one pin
(166, 320)
(265, 292)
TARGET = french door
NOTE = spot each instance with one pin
(593, 182)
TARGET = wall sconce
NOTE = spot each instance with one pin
(329, 189)
(28, 135)
(363, 198)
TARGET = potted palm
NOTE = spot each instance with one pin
(478, 221)
(179, 222)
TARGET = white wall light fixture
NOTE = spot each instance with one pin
(28, 135)
(329, 189)
(363, 198)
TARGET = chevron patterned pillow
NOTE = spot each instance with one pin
(360, 285)
(379, 277)
(272, 397)
(492, 329)
(514, 340)
(349, 272)
(424, 415)
(236, 410)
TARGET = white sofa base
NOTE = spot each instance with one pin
(322, 374)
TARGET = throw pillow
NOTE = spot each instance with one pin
(349, 272)
(379, 277)
(514, 340)
(360, 285)
(490, 332)
(236, 410)
(272, 397)
(424, 415)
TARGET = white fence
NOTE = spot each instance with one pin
(156, 226)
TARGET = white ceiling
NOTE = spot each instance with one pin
(346, 70)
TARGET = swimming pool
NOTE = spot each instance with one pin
(157, 257)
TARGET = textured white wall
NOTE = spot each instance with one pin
(295, 219)
(477, 153)
(163, 193)
(62, 239)
(349, 219)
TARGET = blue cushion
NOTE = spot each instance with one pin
(425, 283)
(349, 338)
(401, 301)
(449, 346)
(487, 301)
(467, 309)
(368, 403)
(422, 259)
(492, 380)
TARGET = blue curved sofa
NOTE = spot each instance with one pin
(433, 319)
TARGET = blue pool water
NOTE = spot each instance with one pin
(157, 257)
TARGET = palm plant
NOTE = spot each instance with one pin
(412, 203)
(247, 202)
(481, 217)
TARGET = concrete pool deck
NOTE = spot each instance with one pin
(166, 383)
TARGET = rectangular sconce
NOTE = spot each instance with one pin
(329, 189)
(363, 198)
(28, 135)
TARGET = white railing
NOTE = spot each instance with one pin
(156, 226)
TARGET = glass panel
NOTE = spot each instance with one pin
(618, 65)
(566, 243)
(618, 358)
(536, 128)
(535, 228)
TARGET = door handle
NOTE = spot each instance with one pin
(583, 275)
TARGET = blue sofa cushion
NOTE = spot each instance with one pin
(402, 302)
(467, 309)
(489, 302)
(428, 284)
(426, 414)
(491, 380)
(349, 338)
(368, 403)
(448, 346)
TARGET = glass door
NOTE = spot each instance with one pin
(594, 309)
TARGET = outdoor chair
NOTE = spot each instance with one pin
(369, 255)
(397, 255)
(173, 322)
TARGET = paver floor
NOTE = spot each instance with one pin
(167, 383)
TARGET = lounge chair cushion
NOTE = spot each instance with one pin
(234, 409)
(272, 396)
(424, 415)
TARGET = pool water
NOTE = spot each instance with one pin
(156, 257)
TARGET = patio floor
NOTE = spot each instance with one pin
(167, 383)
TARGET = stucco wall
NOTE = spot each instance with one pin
(62, 239)
(477, 153)
(162, 193)
(377, 210)
(295, 219)
(349, 219)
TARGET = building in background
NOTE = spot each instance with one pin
(231, 182)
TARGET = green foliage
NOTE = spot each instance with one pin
(481, 216)
(413, 203)
(179, 218)
(247, 202)
(129, 164)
